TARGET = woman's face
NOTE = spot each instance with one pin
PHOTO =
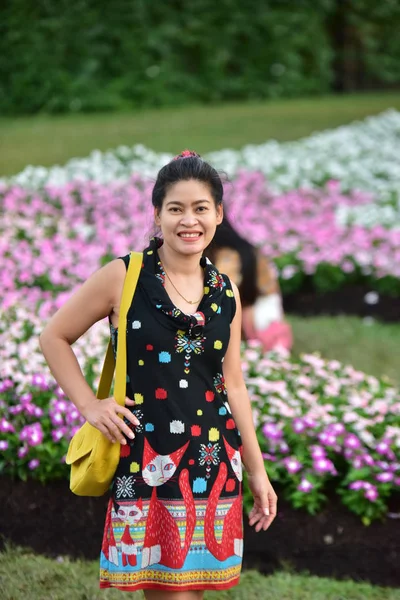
(188, 217)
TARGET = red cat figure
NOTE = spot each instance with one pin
(232, 534)
(162, 542)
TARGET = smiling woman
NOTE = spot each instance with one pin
(186, 402)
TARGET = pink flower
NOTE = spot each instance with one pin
(22, 452)
(318, 452)
(292, 464)
(357, 485)
(5, 426)
(371, 494)
(305, 486)
(271, 431)
(324, 465)
(384, 477)
(298, 425)
(352, 441)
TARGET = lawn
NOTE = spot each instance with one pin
(25, 575)
(368, 346)
(48, 140)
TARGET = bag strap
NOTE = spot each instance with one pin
(103, 391)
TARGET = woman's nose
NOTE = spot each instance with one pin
(189, 220)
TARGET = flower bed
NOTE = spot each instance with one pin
(53, 239)
(320, 424)
(362, 155)
(323, 426)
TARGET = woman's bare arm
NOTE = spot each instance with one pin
(97, 298)
(265, 499)
(239, 400)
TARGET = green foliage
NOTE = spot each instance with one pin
(91, 56)
(96, 56)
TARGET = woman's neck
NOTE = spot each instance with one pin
(179, 264)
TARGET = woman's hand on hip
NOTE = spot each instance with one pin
(265, 501)
(106, 415)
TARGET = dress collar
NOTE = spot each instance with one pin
(210, 304)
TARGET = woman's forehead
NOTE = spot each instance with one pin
(189, 191)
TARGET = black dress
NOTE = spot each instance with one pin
(174, 520)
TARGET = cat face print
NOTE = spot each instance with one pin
(235, 459)
(129, 512)
(159, 468)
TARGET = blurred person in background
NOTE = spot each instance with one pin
(256, 278)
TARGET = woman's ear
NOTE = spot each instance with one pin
(157, 219)
(220, 214)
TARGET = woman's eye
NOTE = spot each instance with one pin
(201, 208)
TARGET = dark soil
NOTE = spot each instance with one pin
(52, 521)
(348, 300)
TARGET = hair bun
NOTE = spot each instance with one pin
(187, 154)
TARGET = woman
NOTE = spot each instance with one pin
(255, 276)
(173, 526)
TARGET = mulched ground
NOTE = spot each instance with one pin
(349, 300)
(52, 521)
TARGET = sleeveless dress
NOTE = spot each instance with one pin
(174, 519)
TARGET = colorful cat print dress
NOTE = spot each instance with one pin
(174, 519)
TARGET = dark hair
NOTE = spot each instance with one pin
(227, 237)
(184, 168)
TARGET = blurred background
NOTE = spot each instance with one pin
(298, 103)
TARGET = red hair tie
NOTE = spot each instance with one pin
(187, 154)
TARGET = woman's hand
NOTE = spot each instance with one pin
(265, 501)
(103, 414)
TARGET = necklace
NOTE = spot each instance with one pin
(177, 291)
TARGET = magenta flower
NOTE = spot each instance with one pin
(357, 485)
(284, 448)
(298, 425)
(292, 464)
(324, 465)
(305, 486)
(337, 428)
(33, 464)
(3, 445)
(368, 460)
(57, 435)
(271, 431)
(318, 452)
(352, 441)
(328, 439)
(382, 447)
(371, 494)
(5, 426)
(22, 452)
(25, 398)
(32, 434)
(57, 418)
(6, 385)
(384, 477)
(267, 456)
(358, 462)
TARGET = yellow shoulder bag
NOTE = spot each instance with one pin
(93, 458)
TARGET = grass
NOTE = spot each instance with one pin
(370, 347)
(26, 575)
(48, 140)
